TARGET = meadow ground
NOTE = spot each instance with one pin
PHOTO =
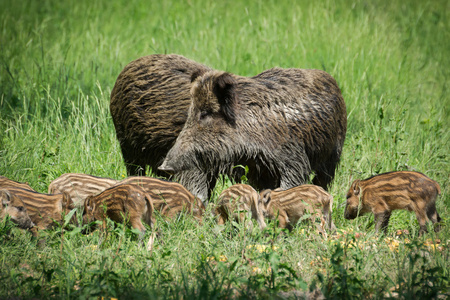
(59, 61)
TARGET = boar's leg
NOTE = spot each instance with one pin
(135, 166)
(382, 221)
(325, 173)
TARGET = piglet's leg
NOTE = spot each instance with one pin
(284, 220)
(137, 223)
(434, 216)
(382, 221)
(422, 218)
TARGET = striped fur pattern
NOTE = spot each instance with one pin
(292, 204)
(238, 203)
(386, 192)
(80, 186)
(44, 209)
(6, 183)
(13, 206)
(121, 203)
(169, 198)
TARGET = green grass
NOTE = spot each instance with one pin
(59, 61)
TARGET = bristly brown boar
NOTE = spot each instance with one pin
(238, 203)
(292, 204)
(44, 209)
(386, 192)
(283, 124)
(169, 198)
(14, 207)
(121, 203)
(149, 106)
(80, 186)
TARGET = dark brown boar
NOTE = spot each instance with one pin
(381, 194)
(6, 183)
(283, 124)
(13, 206)
(238, 203)
(169, 198)
(289, 206)
(80, 186)
(44, 209)
(149, 105)
(121, 203)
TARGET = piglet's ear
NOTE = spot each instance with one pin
(88, 205)
(265, 196)
(225, 90)
(6, 197)
(356, 187)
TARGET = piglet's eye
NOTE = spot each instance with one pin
(204, 114)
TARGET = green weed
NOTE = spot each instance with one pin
(58, 64)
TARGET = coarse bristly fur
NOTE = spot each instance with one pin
(13, 206)
(283, 124)
(239, 203)
(149, 106)
(44, 209)
(381, 194)
(121, 203)
(289, 206)
(80, 186)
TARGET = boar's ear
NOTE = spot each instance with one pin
(225, 91)
(356, 187)
(196, 74)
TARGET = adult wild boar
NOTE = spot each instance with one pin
(283, 124)
(149, 106)
(383, 193)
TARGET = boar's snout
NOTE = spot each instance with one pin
(165, 167)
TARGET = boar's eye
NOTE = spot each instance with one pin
(20, 208)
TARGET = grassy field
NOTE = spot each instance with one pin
(59, 61)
